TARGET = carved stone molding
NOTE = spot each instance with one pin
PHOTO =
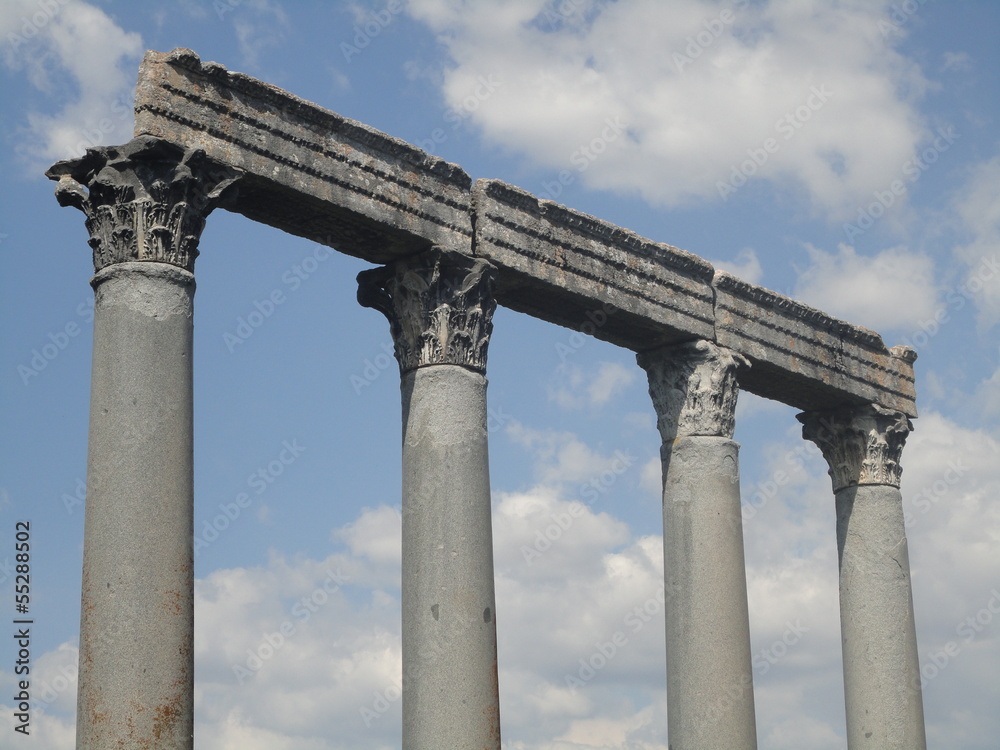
(862, 445)
(693, 387)
(144, 201)
(440, 308)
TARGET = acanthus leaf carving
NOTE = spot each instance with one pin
(862, 445)
(144, 201)
(694, 388)
(440, 307)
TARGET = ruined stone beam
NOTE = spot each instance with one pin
(330, 179)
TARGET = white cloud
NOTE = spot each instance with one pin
(595, 582)
(573, 388)
(895, 289)
(744, 266)
(957, 61)
(562, 457)
(376, 535)
(81, 42)
(259, 26)
(978, 206)
(713, 85)
(988, 395)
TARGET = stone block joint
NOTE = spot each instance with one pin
(144, 201)
(862, 445)
(440, 307)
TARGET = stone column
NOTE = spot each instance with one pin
(863, 445)
(440, 307)
(710, 702)
(145, 204)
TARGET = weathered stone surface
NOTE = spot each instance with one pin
(882, 692)
(862, 446)
(710, 701)
(559, 265)
(137, 625)
(451, 696)
(316, 174)
(440, 308)
(804, 357)
(309, 171)
(694, 389)
(144, 201)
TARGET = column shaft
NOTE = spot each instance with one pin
(881, 666)
(440, 306)
(450, 692)
(709, 679)
(710, 704)
(137, 625)
(882, 692)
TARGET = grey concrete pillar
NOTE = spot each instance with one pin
(882, 691)
(145, 204)
(710, 703)
(440, 307)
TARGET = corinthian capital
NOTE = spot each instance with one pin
(144, 201)
(862, 445)
(694, 388)
(440, 308)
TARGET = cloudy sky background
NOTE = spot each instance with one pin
(844, 153)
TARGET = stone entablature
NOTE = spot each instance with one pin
(321, 176)
(804, 357)
(311, 172)
(558, 264)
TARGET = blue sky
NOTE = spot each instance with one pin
(844, 153)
